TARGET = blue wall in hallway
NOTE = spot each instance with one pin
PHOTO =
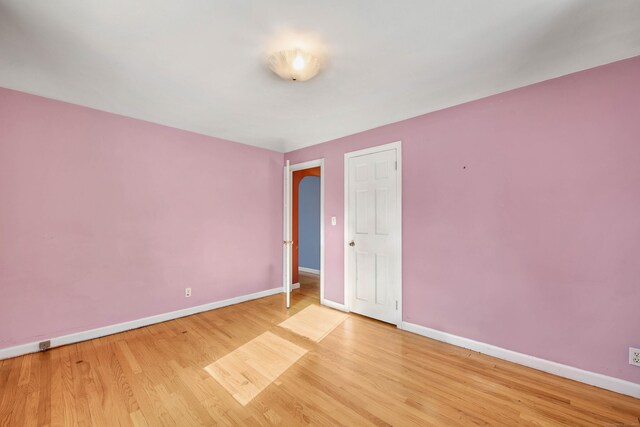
(309, 223)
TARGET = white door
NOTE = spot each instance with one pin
(374, 235)
(286, 238)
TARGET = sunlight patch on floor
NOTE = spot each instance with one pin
(314, 322)
(249, 369)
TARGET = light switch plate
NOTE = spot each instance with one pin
(333, 220)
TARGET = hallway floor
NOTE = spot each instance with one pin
(309, 288)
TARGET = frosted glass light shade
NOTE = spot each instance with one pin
(294, 64)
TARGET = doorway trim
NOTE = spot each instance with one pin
(397, 145)
(308, 165)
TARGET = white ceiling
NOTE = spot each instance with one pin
(200, 64)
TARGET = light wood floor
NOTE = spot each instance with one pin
(363, 373)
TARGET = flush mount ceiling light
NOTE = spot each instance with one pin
(294, 64)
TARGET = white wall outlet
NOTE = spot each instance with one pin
(187, 292)
(333, 220)
(634, 356)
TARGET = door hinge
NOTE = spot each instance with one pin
(396, 305)
(396, 165)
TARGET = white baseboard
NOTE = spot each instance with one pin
(32, 347)
(308, 270)
(592, 378)
(335, 305)
(295, 286)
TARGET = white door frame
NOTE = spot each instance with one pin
(347, 288)
(308, 165)
(286, 236)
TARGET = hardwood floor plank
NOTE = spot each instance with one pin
(138, 419)
(129, 357)
(9, 377)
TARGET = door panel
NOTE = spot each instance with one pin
(382, 279)
(382, 209)
(374, 228)
(363, 275)
(362, 172)
(382, 170)
(361, 205)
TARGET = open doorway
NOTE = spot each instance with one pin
(307, 232)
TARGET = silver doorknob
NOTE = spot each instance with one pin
(352, 243)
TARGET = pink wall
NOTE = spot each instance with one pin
(535, 246)
(106, 219)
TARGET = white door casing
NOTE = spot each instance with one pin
(286, 236)
(373, 233)
(308, 165)
(288, 232)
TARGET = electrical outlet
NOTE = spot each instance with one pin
(187, 292)
(634, 356)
